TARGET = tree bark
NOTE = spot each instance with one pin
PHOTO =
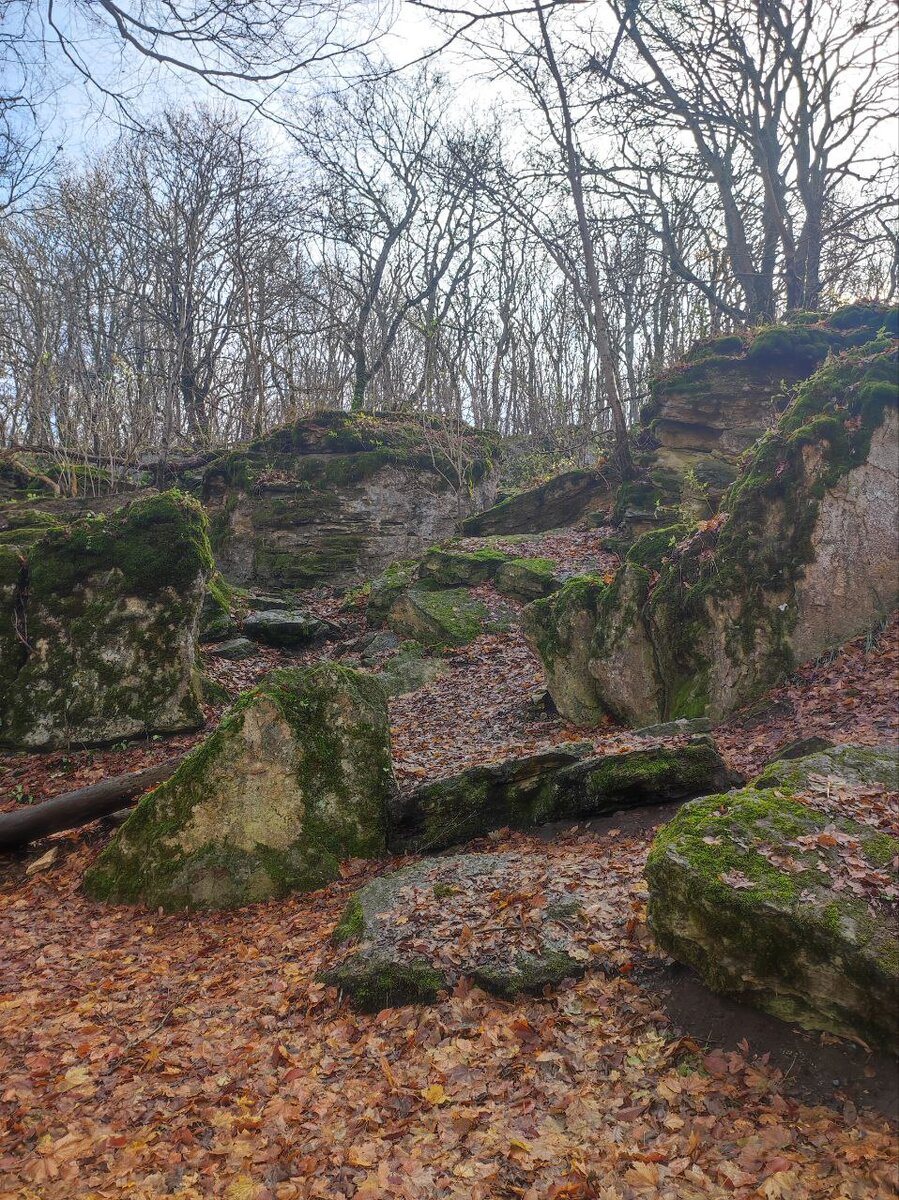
(79, 807)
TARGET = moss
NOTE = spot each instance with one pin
(448, 617)
(373, 984)
(19, 517)
(784, 939)
(352, 923)
(745, 561)
(726, 346)
(443, 890)
(22, 535)
(799, 347)
(528, 974)
(653, 548)
(448, 568)
(156, 543)
(552, 623)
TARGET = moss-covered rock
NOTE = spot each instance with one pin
(527, 578)
(564, 783)
(516, 792)
(289, 628)
(411, 667)
(296, 777)
(801, 558)
(336, 497)
(216, 621)
(99, 626)
(234, 649)
(448, 617)
(404, 907)
(446, 567)
(560, 629)
(562, 501)
(750, 890)
(388, 587)
(655, 775)
(854, 764)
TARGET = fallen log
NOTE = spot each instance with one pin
(77, 808)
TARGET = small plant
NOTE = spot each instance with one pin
(21, 796)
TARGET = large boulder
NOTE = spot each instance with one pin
(784, 906)
(296, 777)
(288, 628)
(98, 626)
(565, 783)
(566, 499)
(507, 921)
(336, 497)
(802, 557)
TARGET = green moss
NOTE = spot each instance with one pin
(528, 974)
(653, 548)
(372, 984)
(145, 861)
(726, 346)
(19, 517)
(798, 347)
(352, 923)
(448, 568)
(22, 535)
(782, 938)
(156, 543)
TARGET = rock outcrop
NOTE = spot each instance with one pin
(801, 557)
(98, 626)
(296, 777)
(783, 906)
(705, 412)
(335, 498)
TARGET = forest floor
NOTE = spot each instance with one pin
(149, 1055)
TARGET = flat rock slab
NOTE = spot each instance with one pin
(512, 923)
(859, 765)
(289, 629)
(233, 649)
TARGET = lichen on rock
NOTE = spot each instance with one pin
(296, 778)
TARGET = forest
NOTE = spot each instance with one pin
(449, 655)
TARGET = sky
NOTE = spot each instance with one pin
(83, 121)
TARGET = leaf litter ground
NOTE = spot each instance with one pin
(190, 1056)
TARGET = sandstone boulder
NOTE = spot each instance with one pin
(783, 906)
(447, 617)
(562, 501)
(98, 626)
(288, 628)
(296, 777)
(870, 765)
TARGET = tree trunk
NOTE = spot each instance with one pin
(79, 807)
